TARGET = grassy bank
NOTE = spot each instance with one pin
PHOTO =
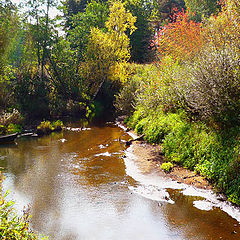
(189, 100)
(213, 154)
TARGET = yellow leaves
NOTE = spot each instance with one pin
(108, 50)
(120, 19)
(121, 72)
(224, 29)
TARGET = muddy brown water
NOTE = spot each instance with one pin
(77, 187)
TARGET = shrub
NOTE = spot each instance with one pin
(161, 87)
(45, 127)
(14, 227)
(167, 167)
(57, 125)
(2, 129)
(13, 116)
(126, 98)
(213, 89)
(14, 128)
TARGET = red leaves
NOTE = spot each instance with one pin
(180, 37)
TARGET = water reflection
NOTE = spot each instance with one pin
(77, 186)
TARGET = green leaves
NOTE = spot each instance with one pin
(12, 226)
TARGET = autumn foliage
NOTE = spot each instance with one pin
(180, 38)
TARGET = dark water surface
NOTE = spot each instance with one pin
(77, 185)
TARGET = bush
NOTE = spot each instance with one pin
(126, 98)
(57, 125)
(14, 227)
(167, 167)
(46, 127)
(214, 85)
(14, 128)
(2, 130)
(13, 116)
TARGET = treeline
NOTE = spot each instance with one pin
(190, 99)
(74, 63)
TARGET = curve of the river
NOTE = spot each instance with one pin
(79, 186)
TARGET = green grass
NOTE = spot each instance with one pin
(196, 146)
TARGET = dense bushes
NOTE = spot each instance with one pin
(190, 100)
(13, 226)
(46, 127)
(10, 122)
(194, 145)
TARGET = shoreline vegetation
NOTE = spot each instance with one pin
(150, 156)
(172, 68)
(188, 101)
(12, 225)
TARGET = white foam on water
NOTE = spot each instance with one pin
(131, 134)
(155, 187)
(77, 129)
(203, 205)
(153, 193)
(73, 129)
(147, 179)
(107, 154)
(84, 129)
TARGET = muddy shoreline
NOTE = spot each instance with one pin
(149, 159)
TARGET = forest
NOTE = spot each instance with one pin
(171, 67)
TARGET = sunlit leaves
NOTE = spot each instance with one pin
(105, 49)
(181, 37)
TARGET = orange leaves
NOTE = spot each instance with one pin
(180, 38)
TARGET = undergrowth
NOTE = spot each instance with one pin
(13, 226)
(195, 145)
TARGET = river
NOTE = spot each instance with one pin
(79, 186)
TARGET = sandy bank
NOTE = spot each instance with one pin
(149, 159)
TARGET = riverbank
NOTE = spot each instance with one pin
(194, 145)
(149, 159)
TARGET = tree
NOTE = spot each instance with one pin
(73, 7)
(181, 38)
(8, 30)
(202, 7)
(106, 50)
(140, 39)
(96, 15)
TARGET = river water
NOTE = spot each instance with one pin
(79, 186)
